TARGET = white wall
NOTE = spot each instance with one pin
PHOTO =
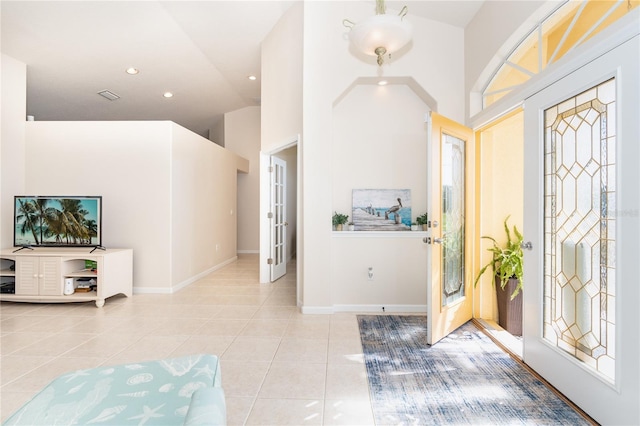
(128, 164)
(435, 60)
(203, 205)
(242, 136)
(216, 133)
(165, 191)
(281, 97)
(399, 265)
(379, 141)
(13, 108)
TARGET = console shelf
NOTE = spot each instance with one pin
(39, 274)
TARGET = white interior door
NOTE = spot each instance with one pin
(449, 298)
(582, 206)
(278, 216)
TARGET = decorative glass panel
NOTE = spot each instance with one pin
(579, 250)
(564, 29)
(453, 152)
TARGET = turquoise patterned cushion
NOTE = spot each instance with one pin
(154, 393)
(207, 408)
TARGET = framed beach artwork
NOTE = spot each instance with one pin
(382, 209)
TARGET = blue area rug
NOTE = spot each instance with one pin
(463, 379)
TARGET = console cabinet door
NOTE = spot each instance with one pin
(27, 269)
(50, 278)
(38, 276)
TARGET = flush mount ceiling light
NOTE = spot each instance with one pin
(132, 71)
(380, 34)
(167, 95)
(252, 77)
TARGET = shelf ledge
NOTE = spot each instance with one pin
(379, 234)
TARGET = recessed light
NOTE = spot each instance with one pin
(132, 71)
(167, 95)
(382, 83)
(252, 77)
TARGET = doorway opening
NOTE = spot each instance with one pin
(499, 186)
(279, 215)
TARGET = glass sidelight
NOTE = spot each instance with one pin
(579, 227)
(453, 195)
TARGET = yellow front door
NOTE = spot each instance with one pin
(450, 279)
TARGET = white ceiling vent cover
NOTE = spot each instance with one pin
(109, 95)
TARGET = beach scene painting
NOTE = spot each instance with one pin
(382, 209)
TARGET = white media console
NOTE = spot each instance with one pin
(39, 274)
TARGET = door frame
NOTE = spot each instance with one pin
(265, 206)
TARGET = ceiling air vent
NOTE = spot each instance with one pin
(109, 95)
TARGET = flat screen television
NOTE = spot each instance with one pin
(51, 221)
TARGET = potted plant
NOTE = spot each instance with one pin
(339, 220)
(414, 226)
(507, 266)
(351, 226)
(422, 221)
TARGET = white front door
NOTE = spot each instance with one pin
(581, 214)
(278, 216)
(449, 295)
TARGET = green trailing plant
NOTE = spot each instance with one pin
(507, 261)
(422, 219)
(340, 219)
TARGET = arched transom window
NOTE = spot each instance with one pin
(567, 27)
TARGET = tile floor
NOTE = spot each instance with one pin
(278, 366)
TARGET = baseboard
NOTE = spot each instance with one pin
(377, 309)
(248, 251)
(183, 284)
(317, 310)
(382, 308)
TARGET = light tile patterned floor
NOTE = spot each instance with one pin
(278, 366)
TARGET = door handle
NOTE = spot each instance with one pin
(428, 240)
(527, 246)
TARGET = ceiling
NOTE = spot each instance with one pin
(201, 51)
